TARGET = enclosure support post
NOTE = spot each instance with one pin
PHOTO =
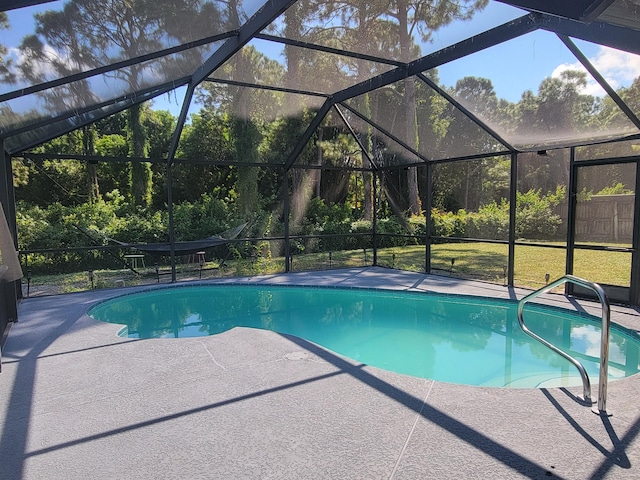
(7, 195)
(286, 199)
(172, 238)
(427, 219)
(11, 291)
(374, 223)
(572, 205)
(513, 198)
(634, 285)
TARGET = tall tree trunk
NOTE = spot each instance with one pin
(409, 104)
(88, 147)
(367, 177)
(466, 188)
(415, 206)
(244, 134)
(246, 137)
(301, 182)
(317, 174)
(141, 180)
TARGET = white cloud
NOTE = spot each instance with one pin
(590, 339)
(45, 69)
(618, 68)
(592, 88)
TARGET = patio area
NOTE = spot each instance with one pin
(77, 401)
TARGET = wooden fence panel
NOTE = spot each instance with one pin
(601, 219)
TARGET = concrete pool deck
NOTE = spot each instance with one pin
(78, 402)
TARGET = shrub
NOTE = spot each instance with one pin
(332, 244)
(616, 189)
(319, 214)
(535, 219)
(206, 217)
(358, 240)
(391, 226)
(491, 221)
(418, 225)
(448, 224)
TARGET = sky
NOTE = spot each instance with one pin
(513, 67)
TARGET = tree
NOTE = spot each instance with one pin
(116, 175)
(365, 30)
(91, 33)
(425, 17)
(51, 181)
(6, 75)
(141, 177)
(301, 67)
(463, 137)
(247, 112)
(89, 149)
(559, 110)
(159, 126)
(561, 106)
(206, 138)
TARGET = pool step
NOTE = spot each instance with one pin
(541, 380)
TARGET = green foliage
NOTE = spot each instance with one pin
(491, 221)
(238, 125)
(332, 219)
(319, 214)
(390, 226)
(448, 224)
(56, 227)
(360, 240)
(20, 172)
(535, 218)
(338, 242)
(159, 125)
(113, 145)
(418, 224)
(32, 224)
(584, 195)
(616, 189)
(204, 218)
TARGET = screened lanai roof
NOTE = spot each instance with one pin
(65, 64)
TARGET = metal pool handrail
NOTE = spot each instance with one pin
(604, 345)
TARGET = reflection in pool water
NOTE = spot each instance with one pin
(458, 339)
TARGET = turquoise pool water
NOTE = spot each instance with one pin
(449, 338)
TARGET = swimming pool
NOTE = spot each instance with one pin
(450, 338)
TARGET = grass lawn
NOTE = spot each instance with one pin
(487, 261)
(480, 261)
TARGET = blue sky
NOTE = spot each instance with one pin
(513, 67)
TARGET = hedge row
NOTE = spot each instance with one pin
(63, 227)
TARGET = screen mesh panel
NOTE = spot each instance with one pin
(556, 111)
(622, 12)
(81, 94)
(269, 63)
(375, 28)
(53, 40)
(37, 134)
